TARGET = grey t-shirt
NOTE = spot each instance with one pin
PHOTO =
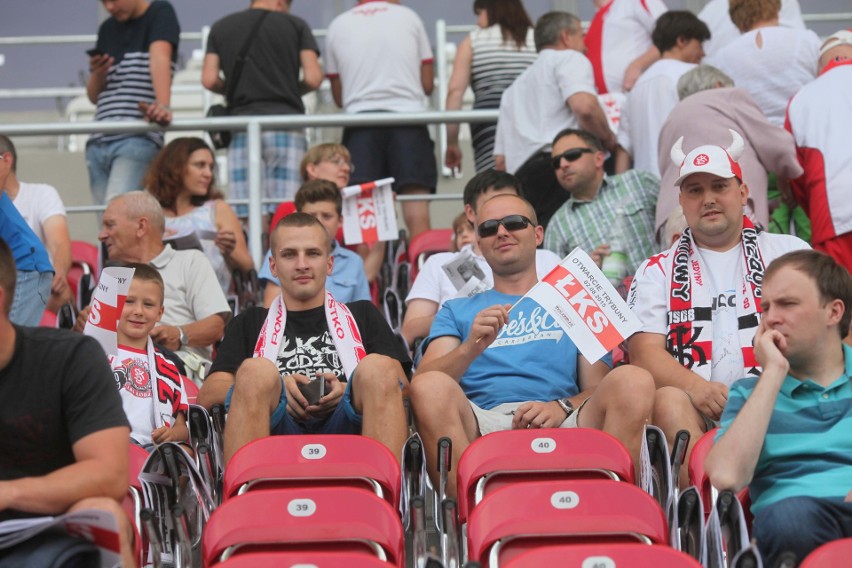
(269, 83)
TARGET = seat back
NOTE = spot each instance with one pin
(427, 243)
(337, 519)
(604, 555)
(336, 459)
(310, 558)
(835, 553)
(496, 459)
(191, 390)
(561, 511)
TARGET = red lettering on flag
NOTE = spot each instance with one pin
(367, 220)
(104, 316)
(584, 304)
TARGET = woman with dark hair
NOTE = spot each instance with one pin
(182, 178)
(489, 60)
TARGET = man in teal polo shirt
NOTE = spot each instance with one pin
(788, 433)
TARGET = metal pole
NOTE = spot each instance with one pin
(441, 61)
(253, 144)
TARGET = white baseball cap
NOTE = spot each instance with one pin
(838, 38)
(710, 159)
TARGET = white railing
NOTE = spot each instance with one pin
(253, 125)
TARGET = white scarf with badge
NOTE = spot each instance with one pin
(341, 326)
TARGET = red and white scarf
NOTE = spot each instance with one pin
(166, 387)
(341, 326)
(690, 300)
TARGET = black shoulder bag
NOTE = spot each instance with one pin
(222, 138)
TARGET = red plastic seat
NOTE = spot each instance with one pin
(496, 459)
(48, 319)
(523, 516)
(303, 559)
(331, 459)
(425, 244)
(829, 555)
(86, 252)
(335, 519)
(133, 500)
(698, 476)
(605, 555)
(191, 390)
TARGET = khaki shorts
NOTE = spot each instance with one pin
(500, 417)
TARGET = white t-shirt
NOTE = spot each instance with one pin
(525, 128)
(774, 72)
(647, 108)
(134, 379)
(38, 202)
(650, 289)
(723, 30)
(627, 30)
(432, 283)
(377, 49)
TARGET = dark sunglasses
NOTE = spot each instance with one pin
(570, 156)
(490, 227)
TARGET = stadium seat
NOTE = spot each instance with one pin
(319, 519)
(829, 555)
(303, 560)
(605, 555)
(524, 516)
(133, 501)
(86, 252)
(340, 460)
(426, 244)
(497, 459)
(191, 390)
(698, 476)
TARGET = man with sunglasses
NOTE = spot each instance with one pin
(562, 85)
(589, 217)
(433, 286)
(498, 361)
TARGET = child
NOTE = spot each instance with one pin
(156, 415)
(463, 233)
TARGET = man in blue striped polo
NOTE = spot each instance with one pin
(788, 433)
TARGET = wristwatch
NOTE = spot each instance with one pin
(184, 338)
(566, 405)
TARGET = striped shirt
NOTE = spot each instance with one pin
(495, 65)
(807, 450)
(129, 78)
(588, 224)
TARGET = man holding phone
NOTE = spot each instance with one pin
(308, 364)
(130, 78)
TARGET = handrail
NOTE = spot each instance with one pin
(77, 38)
(253, 126)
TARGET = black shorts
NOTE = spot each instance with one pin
(405, 153)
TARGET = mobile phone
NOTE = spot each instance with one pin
(94, 52)
(314, 390)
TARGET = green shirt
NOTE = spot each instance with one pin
(588, 224)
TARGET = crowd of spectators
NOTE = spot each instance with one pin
(740, 327)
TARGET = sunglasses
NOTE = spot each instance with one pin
(571, 155)
(490, 227)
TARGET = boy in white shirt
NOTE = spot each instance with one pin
(152, 420)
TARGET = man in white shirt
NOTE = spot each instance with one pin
(679, 36)
(699, 301)
(715, 15)
(562, 84)
(42, 209)
(378, 58)
(619, 44)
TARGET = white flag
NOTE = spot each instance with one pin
(107, 305)
(584, 304)
(368, 213)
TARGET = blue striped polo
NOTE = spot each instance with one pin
(808, 446)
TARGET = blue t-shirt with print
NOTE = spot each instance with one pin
(531, 359)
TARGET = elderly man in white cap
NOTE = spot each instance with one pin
(699, 301)
(820, 117)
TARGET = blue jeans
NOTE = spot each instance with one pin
(118, 167)
(32, 291)
(800, 525)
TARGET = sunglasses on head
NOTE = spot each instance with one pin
(490, 227)
(570, 156)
